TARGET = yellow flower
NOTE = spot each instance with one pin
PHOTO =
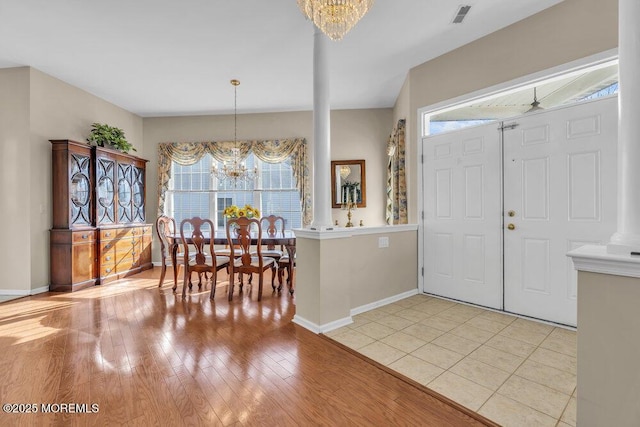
(234, 211)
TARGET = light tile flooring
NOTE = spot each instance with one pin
(513, 371)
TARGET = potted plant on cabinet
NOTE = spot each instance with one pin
(104, 135)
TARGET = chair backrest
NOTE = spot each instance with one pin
(272, 225)
(165, 227)
(239, 233)
(201, 229)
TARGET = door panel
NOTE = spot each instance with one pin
(463, 205)
(560, 179)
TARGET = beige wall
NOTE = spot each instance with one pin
(355, 134)
(15, 188)
(36, 108)
(379, 273)
(338, 273)
(608, 350)
(571, 30)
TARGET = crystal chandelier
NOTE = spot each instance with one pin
(335, 17)
(234, 170)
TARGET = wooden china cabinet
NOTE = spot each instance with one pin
(124, 238)
(99, 232)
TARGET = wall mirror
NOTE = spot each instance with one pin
(348, 183)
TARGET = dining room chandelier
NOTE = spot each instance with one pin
(335, 17)
(234, 170)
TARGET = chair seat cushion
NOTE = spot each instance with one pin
(272, 253)
(285, 260)
(255, 261)
(220, 260)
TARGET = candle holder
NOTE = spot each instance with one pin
(349, 206)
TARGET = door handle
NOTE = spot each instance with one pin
(511, 213)
(511, 227)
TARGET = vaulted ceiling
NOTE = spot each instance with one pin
(167, 57)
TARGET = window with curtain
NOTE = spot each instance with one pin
(192, 191)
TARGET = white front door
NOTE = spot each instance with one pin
(462, 207)
(552, 178)
(560, 188)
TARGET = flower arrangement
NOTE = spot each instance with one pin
(234, 211)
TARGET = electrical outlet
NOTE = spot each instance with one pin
(383, 242)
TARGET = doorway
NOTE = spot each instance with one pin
(504, 202)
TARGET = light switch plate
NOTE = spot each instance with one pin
(383, 242)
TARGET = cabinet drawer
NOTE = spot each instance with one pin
(107, 270)
(115, 233)
(108, 257)
(125, 265)
(83, 236)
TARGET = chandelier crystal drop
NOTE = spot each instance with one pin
(234, 170)
(335, 17)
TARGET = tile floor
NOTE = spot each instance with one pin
(513, 371)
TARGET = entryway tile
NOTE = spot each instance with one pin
(534, 395)
(555, 359)
(561, 341)
(416, 369)
(480, 373)
(382, 353)
(472, 333)
(461, 390)
(510, 345)
(556, 379)
(509, 413)
(395, 322)
(375, 330)
(437, 355)
(569, 414)
(456, 343)
(353, 339)
(527, 335)
(497, 358)
(440, 323)
(404, 342)
(425, 333)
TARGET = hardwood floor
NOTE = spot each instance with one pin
(145, 356)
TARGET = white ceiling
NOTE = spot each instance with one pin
(169, 57)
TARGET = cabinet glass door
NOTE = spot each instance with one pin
(80, 190)
(125, 193)
(138, 195)
(105, 205)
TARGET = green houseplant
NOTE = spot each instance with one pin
(104, 135)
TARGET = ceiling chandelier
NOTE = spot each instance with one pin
(335, 17)
(234, 170)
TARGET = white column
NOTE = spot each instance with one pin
(321, 134)
(627, 237)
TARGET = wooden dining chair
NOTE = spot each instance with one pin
(200, 261)
(284, 264)
(273, 225)
(248, 259)
(165, 228)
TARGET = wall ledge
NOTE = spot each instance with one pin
(596, 259)
(343, 232)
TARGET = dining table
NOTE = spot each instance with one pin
(285, 238)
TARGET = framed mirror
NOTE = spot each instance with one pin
(348, 183)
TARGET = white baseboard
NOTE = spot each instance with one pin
(382, 302)
(23, 292)
(319, 329)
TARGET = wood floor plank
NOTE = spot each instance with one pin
(147, 356)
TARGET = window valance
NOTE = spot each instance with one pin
(270, 151)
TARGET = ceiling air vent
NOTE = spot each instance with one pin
(460, 15)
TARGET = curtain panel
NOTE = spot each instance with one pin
(396, 209)
(269, 151)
